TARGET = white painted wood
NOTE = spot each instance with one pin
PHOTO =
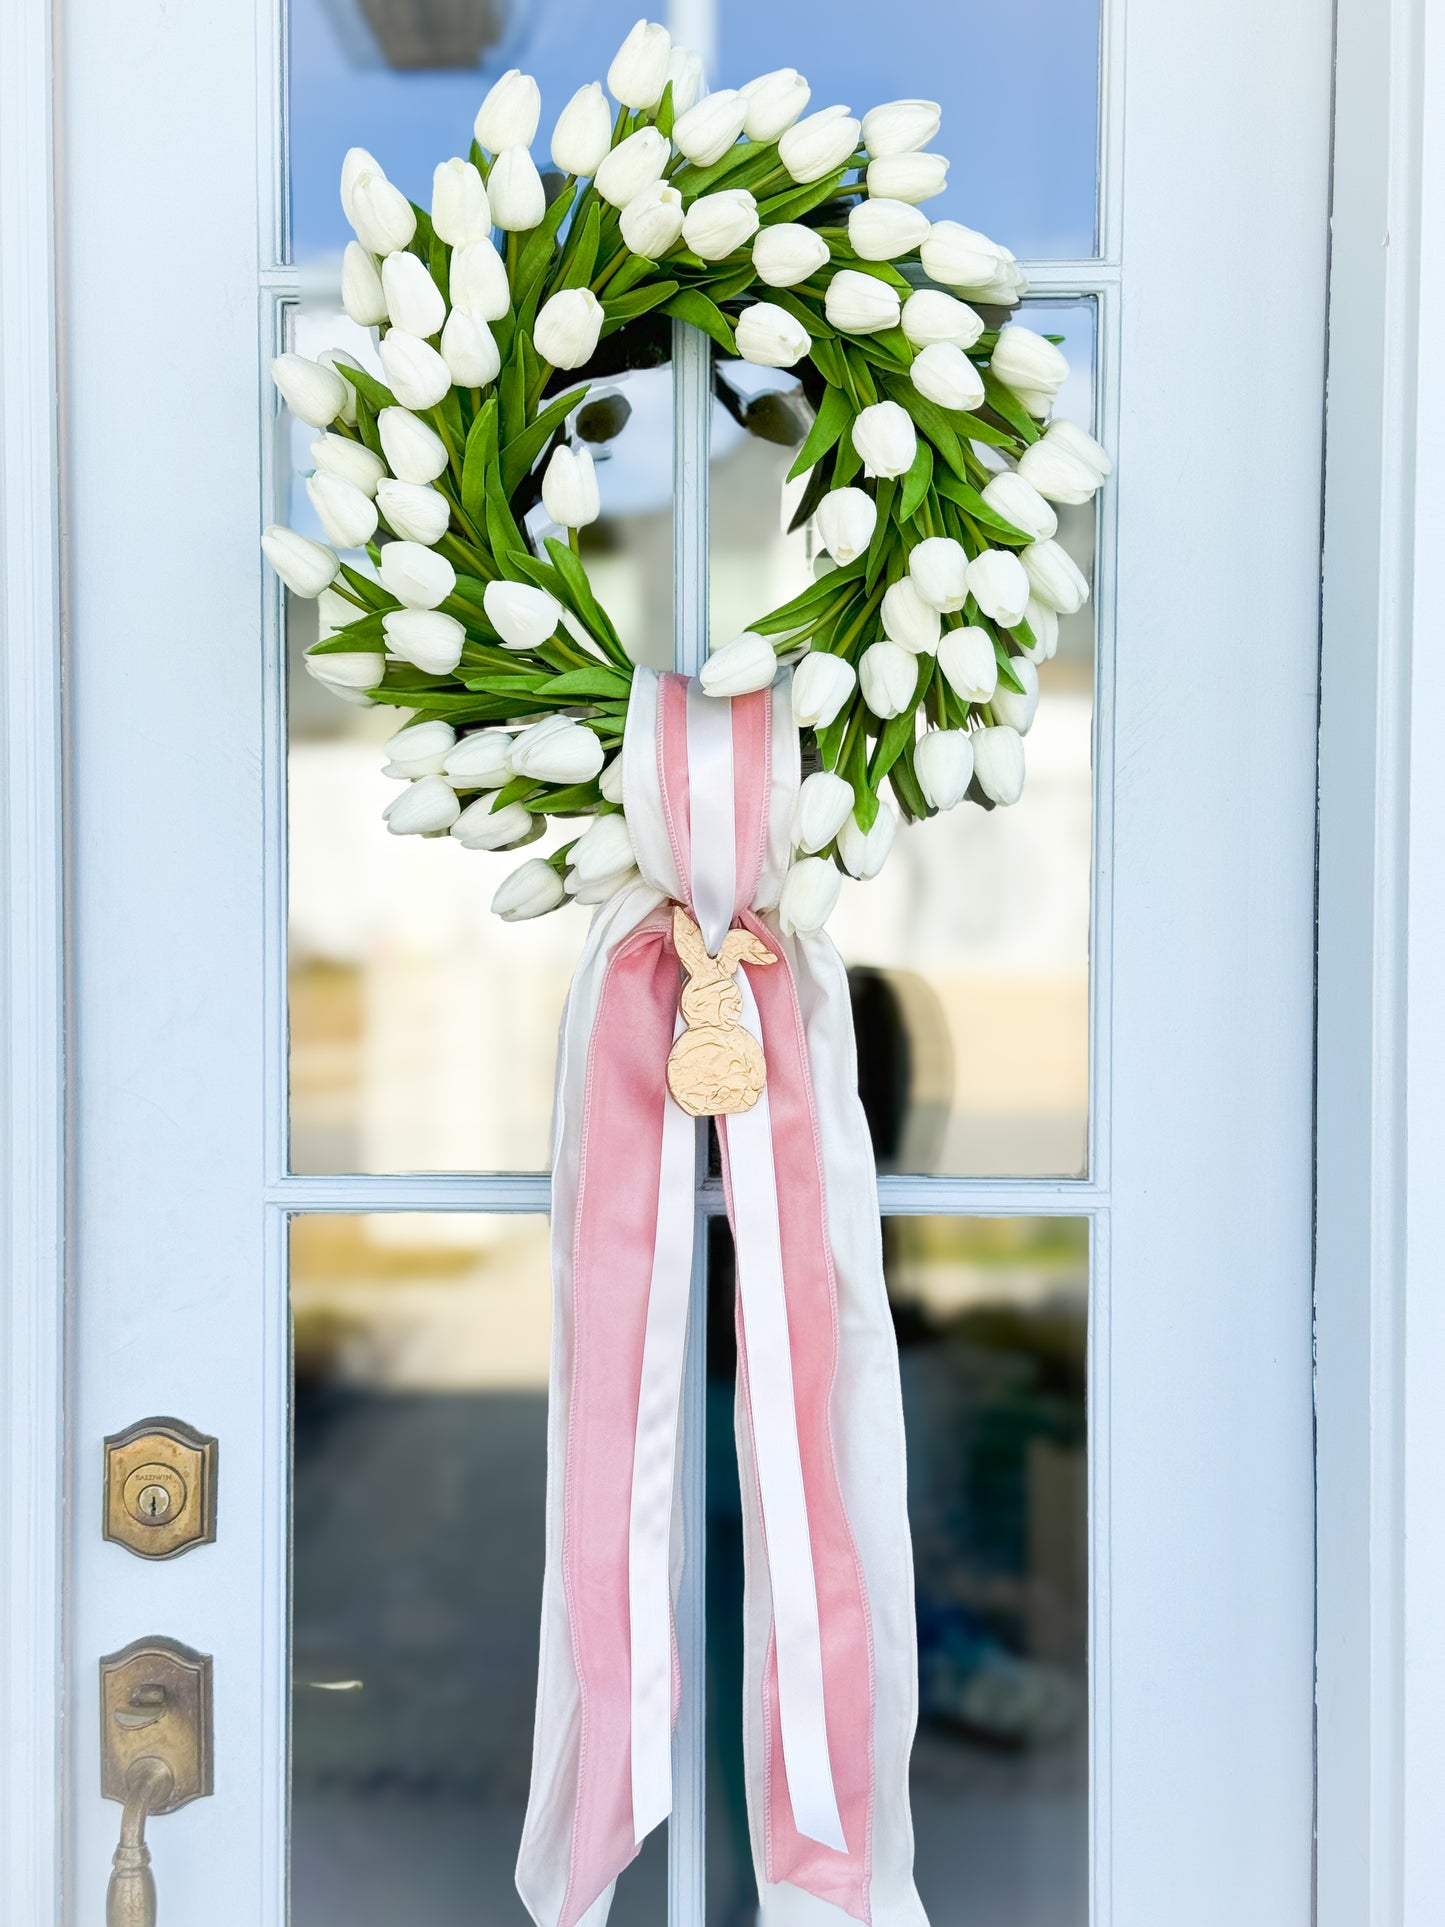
(32, 1037)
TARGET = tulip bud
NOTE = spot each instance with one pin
(961, 257)
(1057, 473)
(417, 514)
(583, 132)
(599, 889)
(908, 620)
(347, 516)
(825, 802)
(929, 315)
(938, 569)
(381, 214)
(348, 673)
(351, 461)
(888, 676)
(429, 640)
(788, 253)
(1019, 504)
(470, 353)
(900, 127)
(419, 578)
(632, 165)
(420, 749)
(354, 163)
(413, 299)
(515, 190)
(860, 304)
(716, 225)
(822, 683)
(847, 518)
(481, 761)
(557, 750)
(998, 763)
(809, 895)
(1044, 628)
(610, 781)
(415, 372)
(604, 850)
(1029, 365)
(523, 616)
(706, 131)
(774, 102)
(907, 177)
(884, 437)
(338, 363)
(569, 488)
(478, 281)
(306, 567)
(881, 230)
(652, 220)
(481, 826)
(424, 807)
(817, 145)
(864, 852)
(746, 663)
(969, 664)
(530, 891)
(638, 72)
(313, 393)
(944, 374)
(459, 209)
(1016, 707)
(770, 337)
(1055, 577)
(361, 294)
(943, 764)
(997, 583)
(509, 114)
(566, 331)
(413, 450)
(1082, 447)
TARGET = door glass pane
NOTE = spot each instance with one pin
(991, 1317)
(419, 1421)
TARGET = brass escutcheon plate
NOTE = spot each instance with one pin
(155, 1699)
(160, 1488)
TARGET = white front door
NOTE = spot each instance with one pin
(307, 1201)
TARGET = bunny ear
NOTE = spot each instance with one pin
(687, 939)
(741, 946)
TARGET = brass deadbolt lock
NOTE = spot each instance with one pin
(160, 1488)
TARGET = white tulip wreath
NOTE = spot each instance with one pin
(794, 241)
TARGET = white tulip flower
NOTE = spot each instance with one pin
(859, 303)
(530, 891)
(638, 73)
(306, 567)
(338, 363)
(354, 163)
(822, 683)
(1044, 628)
(1028, 364)
(469, 350)
(418, 577)
(569, 488)
(846, 519)
(1083, 447)
(415, 372)
(809, 895)
(420, 749)
(361, 294)
(1016, 707)
(566, 330)
(907, 177)
(882, 229)
(478, 281)
(1054, 577)
(610, 781)
(315, 394)
(515, 190)
(938, 569)
(684, 76)
(557, 750)
(508, 116)
(603, 850)
(717, 225)
(944, 374)
(824, 804)
(348, 673)
(888, 676)
(413, 299)
(816, 146)
(346, 514)
(635, 163)
(480, 761)
(998, 763)
(746, 663)
(351, 461)
(413, 449)
(460, 211)
(769, 337)
(998, 584)
(522, 615)
(930, 315)
(416, 512)
(900, 127)
(775, 101)
(864, 852)
(423, 808)
(583, 132)
(908, 620)
(599, 889)
(788, 253)
(961, 257)
(884, 437)
(483, 827)
(426, 638)
(652, 220)
(943, 764)
(1057, 473)
(706, 131)
(1019, 504)
(969, 663)
(381, 214)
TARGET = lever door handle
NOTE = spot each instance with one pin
(130, 1899)
(155, 1756)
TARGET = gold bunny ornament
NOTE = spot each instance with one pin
(716, 1067)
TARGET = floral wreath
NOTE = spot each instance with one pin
(794, 241)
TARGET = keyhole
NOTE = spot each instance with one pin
(155, 1502)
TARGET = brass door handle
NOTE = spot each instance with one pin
(155, 1756)
(130, 1899)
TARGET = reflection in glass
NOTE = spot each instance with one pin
(991, 1319)
(419, 1419)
